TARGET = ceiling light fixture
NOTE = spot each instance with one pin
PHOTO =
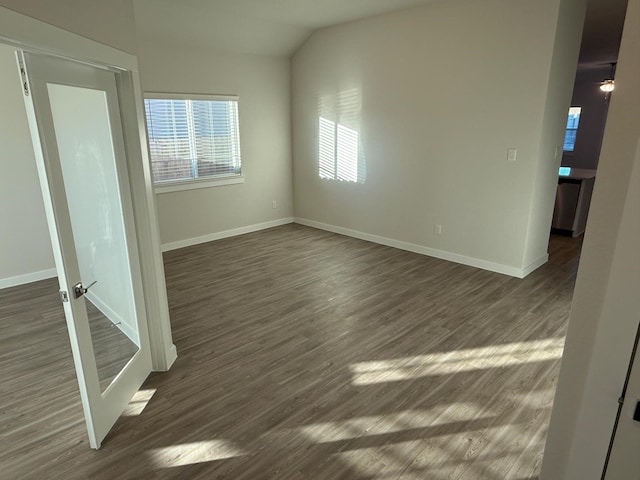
(607, 85)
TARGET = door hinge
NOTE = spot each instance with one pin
(25, 84)
(64, 296)
(23, 74)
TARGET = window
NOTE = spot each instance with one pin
(192, 137)
(572, 129)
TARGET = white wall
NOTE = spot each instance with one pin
(604, 314)
(623, 304)
(24, 241)
(263, 86)
(568, 35)
(110, 22)
(587, 94)
(444, 91)
(185, 217)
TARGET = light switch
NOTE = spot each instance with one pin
(512, 154)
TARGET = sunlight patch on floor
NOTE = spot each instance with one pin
(468, 454)
(494, 356)
(406, 420)
(194, 453)
(138, 403)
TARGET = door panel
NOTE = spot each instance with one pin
(624, 461)
(85, 146)
(77, 132)
(624, 285)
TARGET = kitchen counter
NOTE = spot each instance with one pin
(578, 174)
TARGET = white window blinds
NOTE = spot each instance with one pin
(193, 138)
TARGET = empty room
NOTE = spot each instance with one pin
(287, 239)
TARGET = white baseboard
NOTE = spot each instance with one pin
(431, 252)
(535, 265)
(27, 278)
(172, 355)
(188, 242)
(116, 319)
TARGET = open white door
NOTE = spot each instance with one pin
(77, 133)
(623, 462)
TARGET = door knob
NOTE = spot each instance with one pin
(79, 290)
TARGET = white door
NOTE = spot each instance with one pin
(624, 460)
(624, 285)
(77, 133)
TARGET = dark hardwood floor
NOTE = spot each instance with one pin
(305, 355)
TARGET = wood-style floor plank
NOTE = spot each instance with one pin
(306, 355)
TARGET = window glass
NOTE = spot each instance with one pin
(192, 139)
(571, 132)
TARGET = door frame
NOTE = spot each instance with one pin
(29, 34)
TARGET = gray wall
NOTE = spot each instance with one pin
(22, 217)
(433, 128)
(566, 48)
(443, 92)
(263, 86)
(24, 241)
(264, 109)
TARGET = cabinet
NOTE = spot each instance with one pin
(573, 197)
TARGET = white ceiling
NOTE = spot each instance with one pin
(261, 27)
(279, 27)
(305, 13)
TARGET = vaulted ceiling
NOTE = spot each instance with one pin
(261, 27)
(279, 27)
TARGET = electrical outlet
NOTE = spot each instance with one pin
(437, 229)
(274, 204)
(512, 154)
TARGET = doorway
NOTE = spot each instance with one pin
(587, 116)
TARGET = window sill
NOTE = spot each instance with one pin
(168, 187)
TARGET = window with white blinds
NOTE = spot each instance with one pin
(192, 138)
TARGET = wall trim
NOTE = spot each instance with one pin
(27, 278)
(535, 265)
(431, 252)
(188, 242)
(172, 355)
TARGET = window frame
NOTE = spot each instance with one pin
(168, 186)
